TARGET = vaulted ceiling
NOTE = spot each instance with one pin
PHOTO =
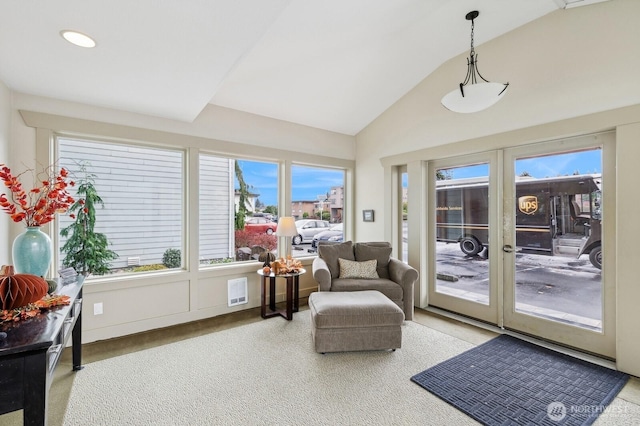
(330, 64)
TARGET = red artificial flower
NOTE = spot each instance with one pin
(41, 204)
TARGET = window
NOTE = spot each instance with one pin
(145, 191)
(404, 199)
(238, 209)
(317, 203)
(142, 189)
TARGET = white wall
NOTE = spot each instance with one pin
(627, 234)
(563, 70)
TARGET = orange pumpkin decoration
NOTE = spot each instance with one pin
(18, 290)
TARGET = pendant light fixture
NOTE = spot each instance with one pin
(475, 92)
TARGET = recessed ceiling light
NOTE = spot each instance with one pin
(78, 38)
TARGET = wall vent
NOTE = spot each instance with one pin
(237, 291)
(133, 261)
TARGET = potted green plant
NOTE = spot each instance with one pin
(85, 250)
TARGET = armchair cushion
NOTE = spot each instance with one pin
(351, 269)
(385, 286)
(381, 252)
(330, 253)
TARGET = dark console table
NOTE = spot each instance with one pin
(30, 352)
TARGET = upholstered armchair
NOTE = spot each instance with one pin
(365, 266)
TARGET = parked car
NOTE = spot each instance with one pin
(333, 234)
(267, 216)
(260, 225)
(308, 228)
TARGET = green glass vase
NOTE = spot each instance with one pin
(32, 252)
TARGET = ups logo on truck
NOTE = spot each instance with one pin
(528, 204)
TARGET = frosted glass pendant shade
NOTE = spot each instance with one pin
(476, 97)
(475, 93)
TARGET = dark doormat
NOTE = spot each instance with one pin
(507, 381)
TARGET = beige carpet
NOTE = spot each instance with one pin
(265, 373)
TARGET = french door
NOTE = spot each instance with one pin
(462, 194)
(550, 273)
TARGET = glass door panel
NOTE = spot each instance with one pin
(557, 233)
(463, 220)
(553, 239)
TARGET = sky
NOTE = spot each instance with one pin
(307, 182)
(311, 182)
(584, 162)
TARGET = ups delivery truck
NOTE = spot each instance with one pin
(554, 216)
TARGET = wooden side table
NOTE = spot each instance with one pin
(292, 294)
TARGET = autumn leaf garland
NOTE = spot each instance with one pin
(33, 309)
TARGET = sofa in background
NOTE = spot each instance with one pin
(391, 277)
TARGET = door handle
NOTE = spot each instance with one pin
(507, 249)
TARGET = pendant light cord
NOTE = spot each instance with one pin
(473, 51)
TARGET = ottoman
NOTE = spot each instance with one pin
(354, 321)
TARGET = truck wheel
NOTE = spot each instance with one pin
(470, 246)
(269, 231)
(595, 256)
